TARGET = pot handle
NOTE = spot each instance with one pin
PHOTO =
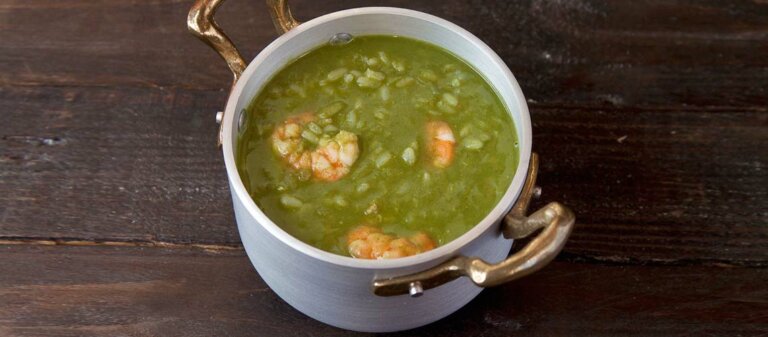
(201, 23)
(556, 219)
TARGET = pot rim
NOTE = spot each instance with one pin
(436, 255)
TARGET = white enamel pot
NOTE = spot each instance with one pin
(383, 295)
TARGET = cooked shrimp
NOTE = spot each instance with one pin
(423, 240)
(401, 247)
(334, 156)
(286, 141)
(440, 143)
(330, 161)
(368, 242)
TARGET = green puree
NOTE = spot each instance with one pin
(384, 89)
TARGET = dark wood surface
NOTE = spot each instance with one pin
(94, 291)
(651, 119)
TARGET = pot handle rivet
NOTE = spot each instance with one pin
(415, 289)
(219, 116)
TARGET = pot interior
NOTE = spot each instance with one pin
(378, 21)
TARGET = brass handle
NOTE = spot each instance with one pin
(201, 23)
(556, 219)
(281, 16)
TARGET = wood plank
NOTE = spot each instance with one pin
(140, 164)
(129, 164)
(658, 186)
(90, 291)
(586, 52)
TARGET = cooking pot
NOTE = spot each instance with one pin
(382, 295)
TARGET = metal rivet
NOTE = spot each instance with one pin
(241, 121)
(219, 117)
(415, 289)
(340, 39)
(537, 192)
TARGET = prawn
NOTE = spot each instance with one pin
(368, 242)
(334, 156)
(286, 141)
(330, 161)
(440, 143)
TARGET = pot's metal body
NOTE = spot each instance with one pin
(368, 295)
(341, 295)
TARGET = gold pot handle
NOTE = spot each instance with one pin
(556, 219)
(281, 16)
(201, 23)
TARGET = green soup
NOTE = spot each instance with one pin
(385, 90)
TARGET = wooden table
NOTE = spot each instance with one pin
(650, 117)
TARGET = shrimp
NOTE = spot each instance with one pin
(368, 242)
(423, 241)
(334, 157)
(330, 161)
(440, 143)
(286, 141)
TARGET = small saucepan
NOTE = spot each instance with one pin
(397, 294)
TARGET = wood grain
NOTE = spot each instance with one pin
(96, 291)
(659, 186)
(140, 165)
(650, 116)
(584, 52)
(128, 164)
